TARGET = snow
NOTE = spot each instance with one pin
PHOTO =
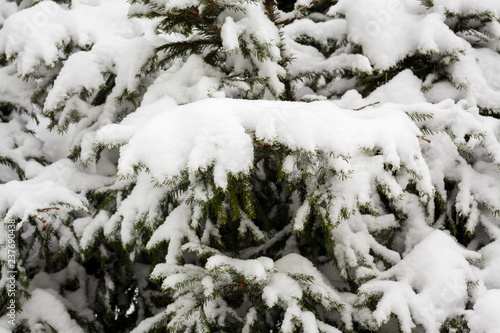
(90, 79)
(230, 33)
(250, 319)
(286, 289)
(97, 45)
(45, 305)
(322, 31)
(404, 88)
(491, 265)
(307, 63)
(142, 202)
(204, 144)
(208, 285)
(173, 230)
(382, 25)
(440, 89)
(215, 133)
(14, 90)
(485, 317)
(246, 225)
(296, 264)
(18, 146)
(169, 5)
(188, 81)
(23, 200)
(283, 287)
(255, 269)
(464, 6)
(309, 322)
(371, 169)
(301, 216)
(87, 227)
(354, 244)
(6, 9)
(272, 122)
(147, 324)
(429, 295)
(56, 188)
(48, 26)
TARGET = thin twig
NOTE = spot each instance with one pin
(45, 210)
(361, 108)
(423, 138)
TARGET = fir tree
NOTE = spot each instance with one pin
(158, 181)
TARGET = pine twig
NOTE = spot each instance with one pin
(361, 108)
(421, 137)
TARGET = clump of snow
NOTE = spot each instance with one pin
(425, 288)
(250, 319)
(218, 141)
(86, 228)
(25, 199)
(216, 133)
(404, 88)
(55, 189)
(147, 324)
(45, 305)
(484, 317)
(255, 269)
(467, 6)
(186, 81)
(286, 292)
(18, 146)
(174, 230)
(281, 287)
(307, 59)
(6, 9)
(14, 90)
(389, 31)
(143, 201)
(301, 216)
(491, 265)
(320, 31)
(246, 225)
(354, 244)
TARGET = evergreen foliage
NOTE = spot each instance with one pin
(162, 176)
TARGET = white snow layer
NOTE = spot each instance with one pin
(428, 285)
(389, 31)
(217, 132)
(485, 317)
(46, 305)
(56, 187)
(220, 133)
(6, 9)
